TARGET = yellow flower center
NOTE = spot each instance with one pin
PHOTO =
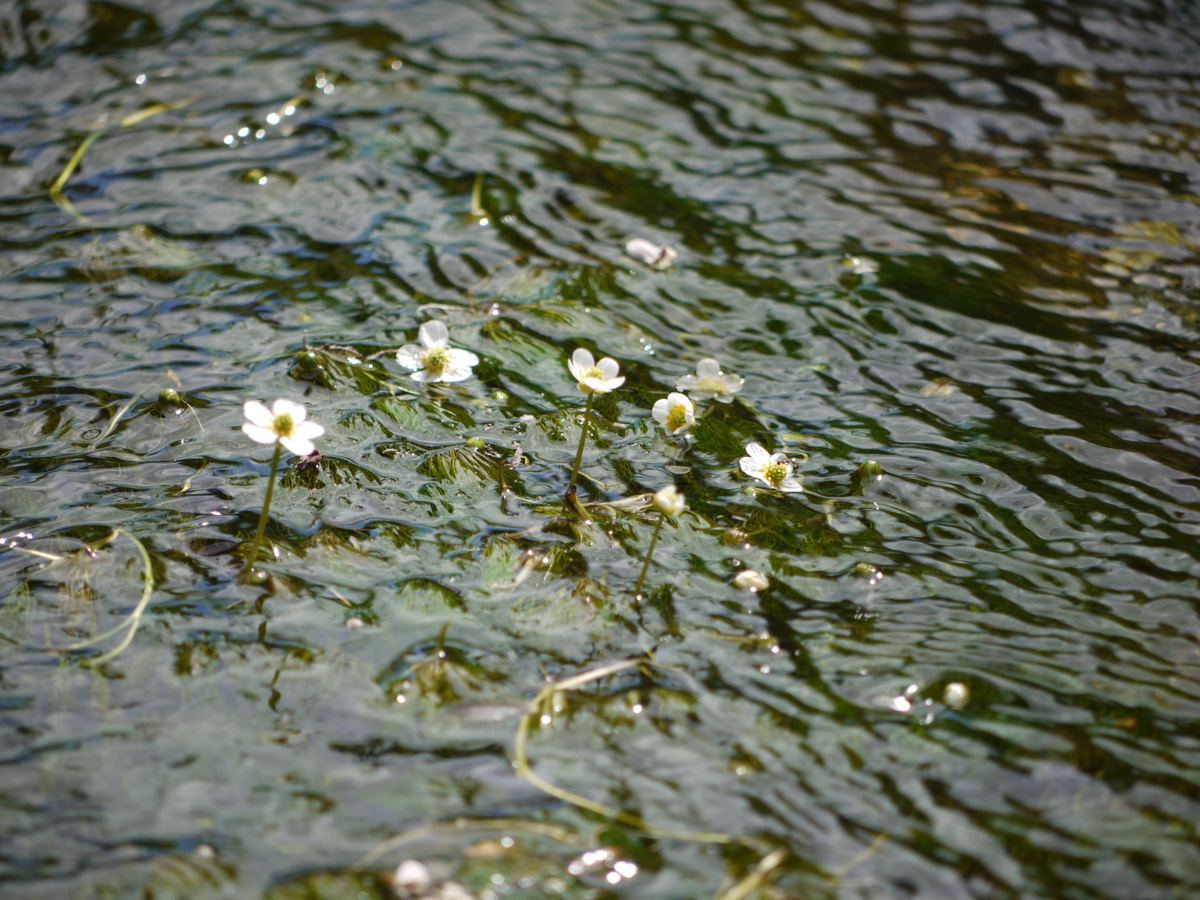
(437, 359)
(774, 473)
(593, 372)
(714, 384)
(283, 424)
(676, 418)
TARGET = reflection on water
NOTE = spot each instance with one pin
(958, 239)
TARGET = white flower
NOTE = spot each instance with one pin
(669, 501)
(653, 255)
(776, 470)
(410, 877)
(956, 694)
(710, 382)
(859, 265)
(751, 580)
(283, 422)
(594, 377)
(675, 414)
(435, 359)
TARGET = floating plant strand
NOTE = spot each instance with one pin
(521, 758)
(134, 620)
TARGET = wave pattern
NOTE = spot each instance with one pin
(955, 238)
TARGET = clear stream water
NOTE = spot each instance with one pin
(956, 238)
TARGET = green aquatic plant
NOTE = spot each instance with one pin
(443, 673)
(56, 187)
(285, 425)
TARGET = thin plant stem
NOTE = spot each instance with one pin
(754, 880)
(637, 591)
(587, 418)
(134, 619)
(262, 519)
(525, 770)
(477, 209)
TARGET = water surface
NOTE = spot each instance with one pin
(955, 238)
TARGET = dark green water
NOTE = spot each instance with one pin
(1017, 347)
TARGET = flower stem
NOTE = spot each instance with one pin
(477, 209)
(262, 519)
(587, 418)
(637, 591)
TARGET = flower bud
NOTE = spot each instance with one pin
(669, 501)
(751, 580)
(956, 695)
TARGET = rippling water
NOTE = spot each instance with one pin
(956, 238)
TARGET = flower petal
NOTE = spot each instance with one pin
(411, 357)
(297, 446)
(295, 411)
(750, 467)
(644, 251)
(708, 368)
(759, 454)
(581, 361)
(460, 359)
(433, 334)
(609, 367)
(596, 385)
(677, 399)
(459, 374)
(791, 486)
(258, 434)
(257, 414)
(660, 410)
(306, 431)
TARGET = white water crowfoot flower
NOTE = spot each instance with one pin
(710, 383)
(653, 255)
(675, 414)
(434, 359)
(775, 470)
(594, 377)
(285, 422)
(285, 426)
